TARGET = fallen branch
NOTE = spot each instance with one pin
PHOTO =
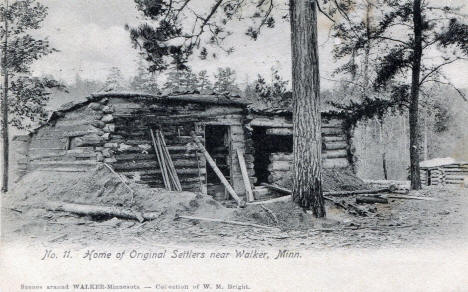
(347, 206)
(226, 222)
(275, 200)
(371, 200)
(333, 194)
(277, 188)
(93, 210)
(360, 192)
(406, 197)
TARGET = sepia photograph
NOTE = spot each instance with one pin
(227, 145)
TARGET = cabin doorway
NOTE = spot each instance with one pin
(217, 145)
(265, 145)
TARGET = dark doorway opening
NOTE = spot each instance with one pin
(265, 145)
(217, 145)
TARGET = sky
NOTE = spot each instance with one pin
(91, 38)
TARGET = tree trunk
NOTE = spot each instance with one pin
(5, 136)
(413, 108)
(384, 166)
(425, 154)
(307, 140)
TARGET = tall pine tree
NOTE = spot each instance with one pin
(23, 97)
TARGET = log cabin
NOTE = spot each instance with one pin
(115, 128)
(444, 171)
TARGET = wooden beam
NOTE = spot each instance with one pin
(172, 169)
(245, 176)
(161, 163)
(218, 172)
(272, 123)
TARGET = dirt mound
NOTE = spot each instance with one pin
(334, 179)
(103, 188)
(341, 180)
(24, 215)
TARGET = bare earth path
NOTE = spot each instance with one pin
(402, 223)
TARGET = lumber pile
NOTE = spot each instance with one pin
(169, 174)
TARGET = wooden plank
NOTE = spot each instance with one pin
(171, 164)
(245, 176)
(160, 162)
(218, 172)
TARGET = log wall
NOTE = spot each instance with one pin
(68, 143)
(132, 149)
(453, 174)
(337, 151)
(116, 130)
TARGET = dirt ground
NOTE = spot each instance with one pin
(400, 223)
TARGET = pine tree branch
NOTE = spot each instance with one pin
(323, 12)
(392, 39)
(462, 95)
(437, 68)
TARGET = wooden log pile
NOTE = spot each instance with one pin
(452, 174)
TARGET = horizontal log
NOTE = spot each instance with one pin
(37, 154)
(272, 123)
(281, 156)
(183, 179)
(21, 138)
(337, 138)
(178, 148)
(61, 164)
(280, 165)
(335, 163)
(49, 144)
(456, 177)
(85, 121)
(88, 140)
(371, 200)
(148, 164)
(335, 154)
(335, 145)
(279, 131)
(151, 156)
(332, 131)
(93, 210)
(184, 171)
(332, 123)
